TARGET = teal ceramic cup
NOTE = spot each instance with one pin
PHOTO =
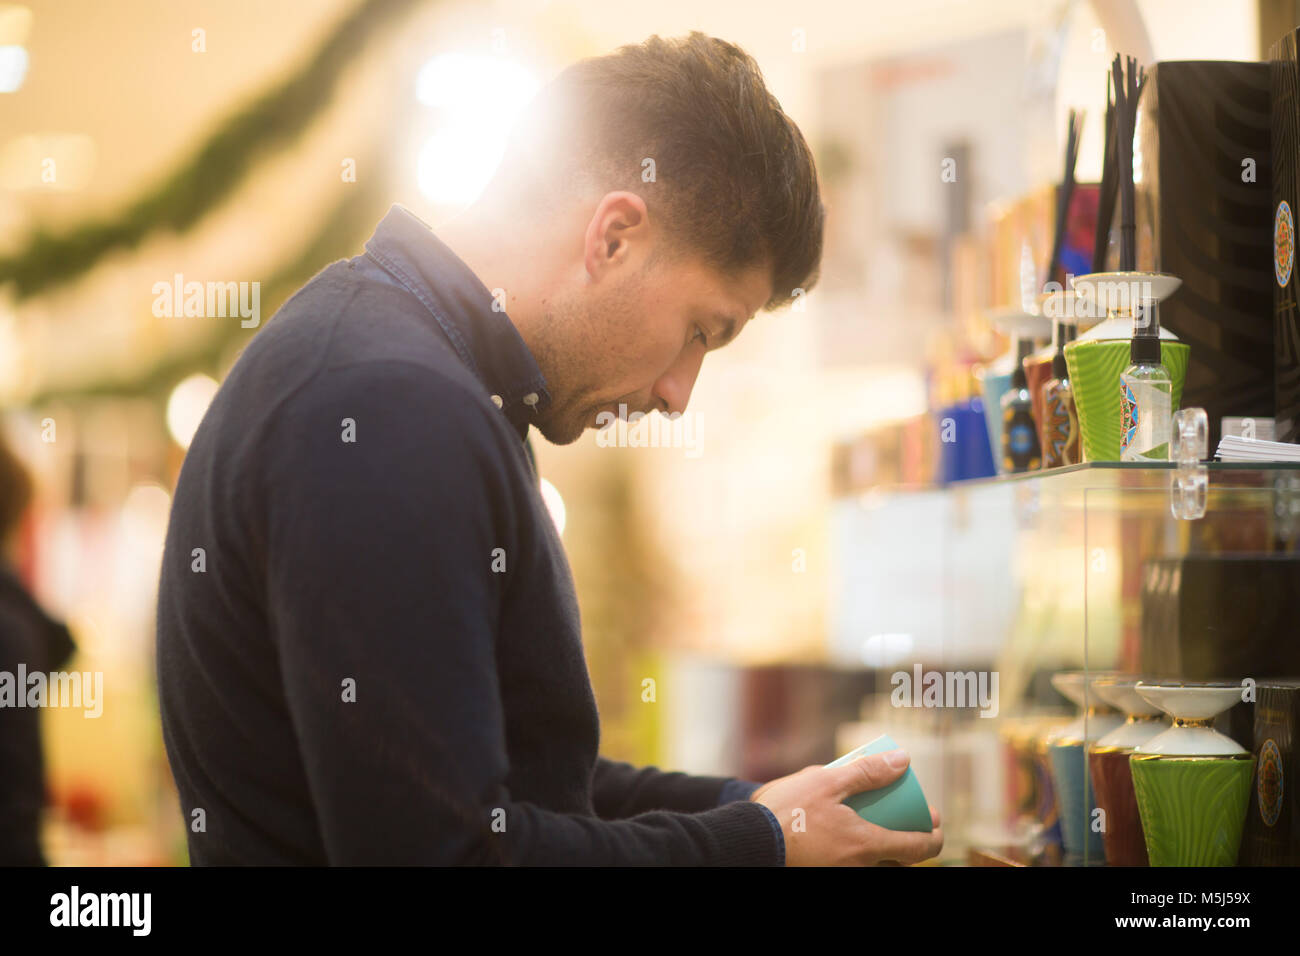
(1074, 792)
(900, 805)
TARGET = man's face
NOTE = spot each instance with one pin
(635, 334)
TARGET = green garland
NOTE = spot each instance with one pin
(220, 164)
(340, 236)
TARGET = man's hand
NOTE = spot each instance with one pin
(832, 833)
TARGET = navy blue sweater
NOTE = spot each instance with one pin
(369, 647)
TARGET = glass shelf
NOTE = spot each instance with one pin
(1021, 576)
(1107, 474)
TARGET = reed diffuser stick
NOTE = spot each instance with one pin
(1106, 200)
(1128, 90)
(1066, 193)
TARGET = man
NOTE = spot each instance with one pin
(368, 641)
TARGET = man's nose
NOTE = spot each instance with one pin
(673, 389)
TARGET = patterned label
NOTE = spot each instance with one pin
(1283, 243)
(1268, 786)
(1128, 416)
(1060, 433)
(1022, 439)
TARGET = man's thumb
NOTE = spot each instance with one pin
(870, 773)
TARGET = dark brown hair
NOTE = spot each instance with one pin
(734, 179)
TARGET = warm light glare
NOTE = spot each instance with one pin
(146, 508)
(13, 68)
(554, 504)
(886, 650)
(478, 99)
(186, 406)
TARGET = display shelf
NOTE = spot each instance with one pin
(1102, 474)
(1022, 576)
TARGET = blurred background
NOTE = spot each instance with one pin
(748, 576)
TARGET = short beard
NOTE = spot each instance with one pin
(554, 354)
(563, 347)
(560, 432)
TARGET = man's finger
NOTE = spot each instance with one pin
(868, 773)
(906, 847)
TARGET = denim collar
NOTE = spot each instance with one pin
(486, 340)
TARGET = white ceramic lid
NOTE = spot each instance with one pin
(1020, 323)
(1123, 696)
(1190, 742)
(1119, 290)
(1131, 735)
(1118, 328)
(1191, 702)
(1071, 685)
(1099, 291)
(1068, 304)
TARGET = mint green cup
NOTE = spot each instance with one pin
(900, 805)
(1095, 367)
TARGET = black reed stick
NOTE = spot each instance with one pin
(1128, 89)
(1066, 192)
(1106, 199)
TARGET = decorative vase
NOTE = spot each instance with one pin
(1112, 780)
(1098, 357)
(1067, 750)
(1192, 783)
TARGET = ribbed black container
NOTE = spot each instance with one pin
(1205, 198)
(1285, 84)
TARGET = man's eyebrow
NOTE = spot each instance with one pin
(728, 328)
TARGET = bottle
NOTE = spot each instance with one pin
(1020, 449)
(1059, 437)
(964, 448)
(1146, 396)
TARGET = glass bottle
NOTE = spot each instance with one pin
(1146, 396)
(1020, 449)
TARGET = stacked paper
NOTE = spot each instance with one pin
(1232, 448)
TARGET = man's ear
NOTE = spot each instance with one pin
(618, 229)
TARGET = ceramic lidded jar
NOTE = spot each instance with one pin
(1112, 780)
(1067, 750)
(1192, 783)
(1098, 357)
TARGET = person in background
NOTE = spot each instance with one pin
(30, 637)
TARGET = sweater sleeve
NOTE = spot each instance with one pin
(384, 609)
(621, 790)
